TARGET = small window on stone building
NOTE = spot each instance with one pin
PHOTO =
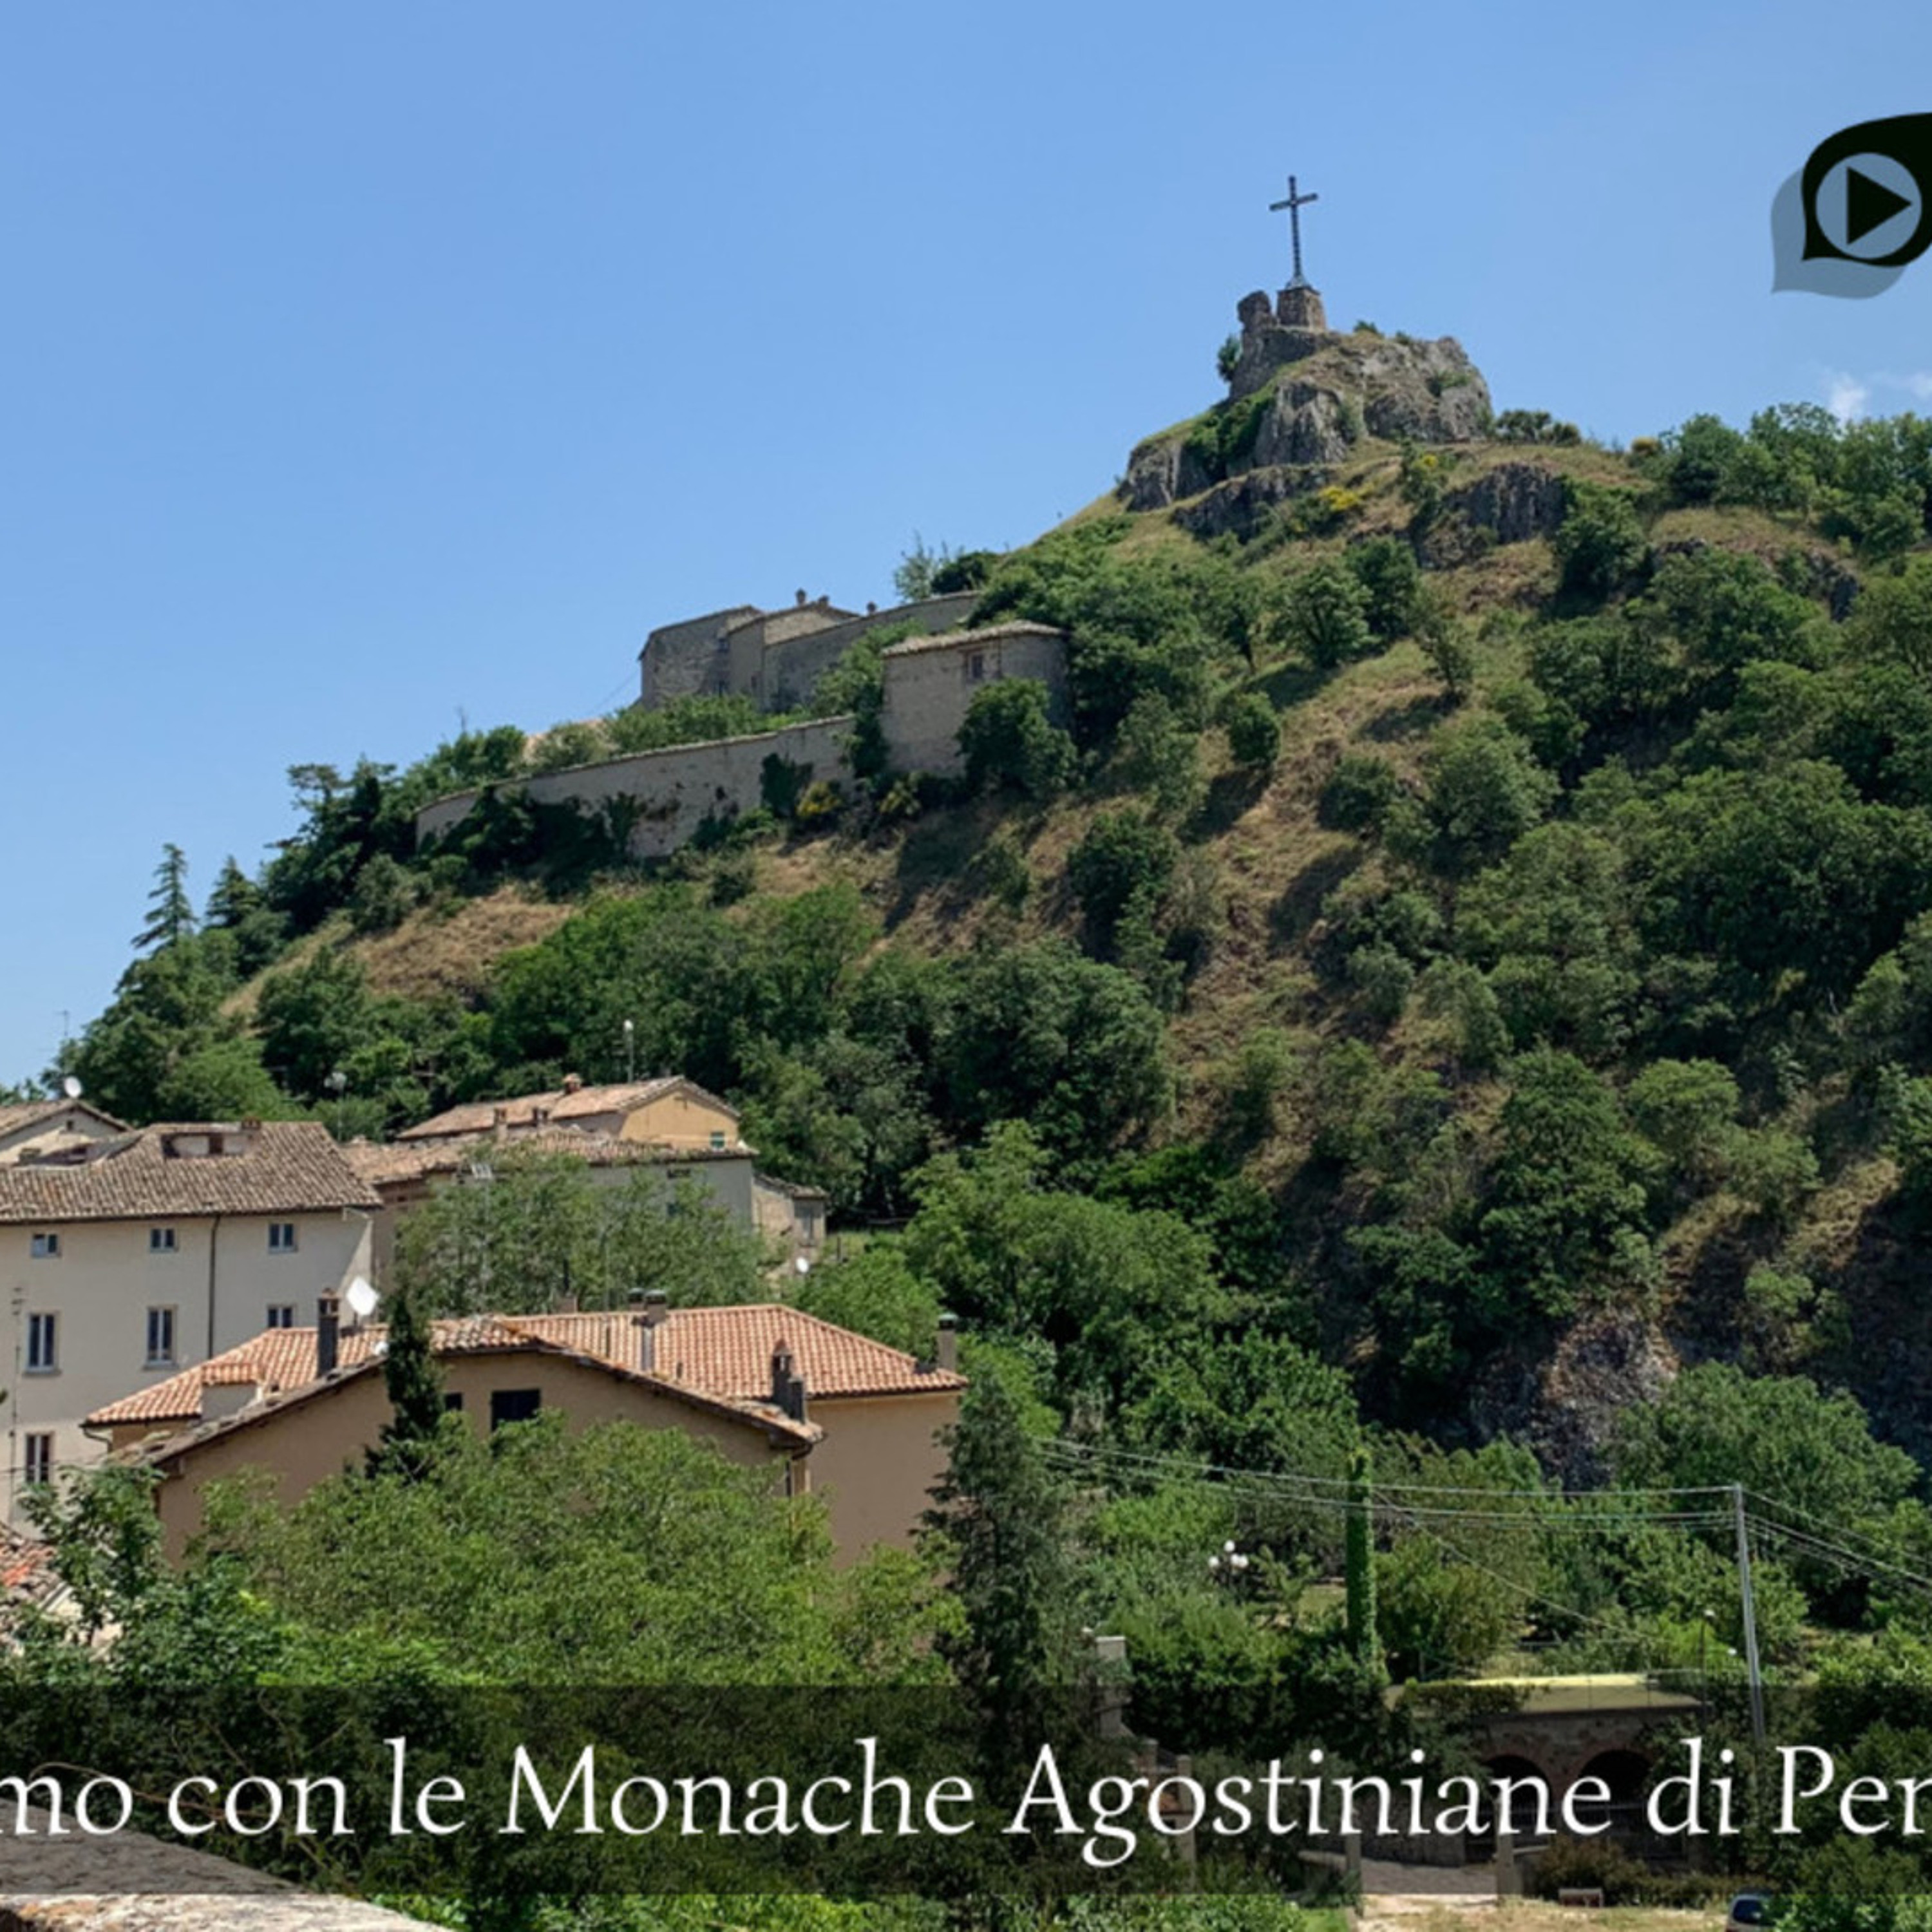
(161, 1338)
(976, 667)
(718, 1140)
(452, 1402)
(281, 1237)
(45, 1247)
(281, 1315)
(40, 1458)
(160, 1240)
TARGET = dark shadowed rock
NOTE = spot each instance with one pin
(1517, 501)
(1244, 505)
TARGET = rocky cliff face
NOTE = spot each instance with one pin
(1299, 397)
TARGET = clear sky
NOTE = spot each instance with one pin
(365, 368)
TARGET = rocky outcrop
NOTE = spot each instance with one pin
(1515, 501)
(1301, 396)
(1245, 505)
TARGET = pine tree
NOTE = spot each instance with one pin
(415, 1385)
(235, 895)
(170, 914)
(999, 1517)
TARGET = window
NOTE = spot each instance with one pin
(717, 1140)
(452, 1402)
(160, 1337)
(46, 1246)
(160, 1240)
(281, 1237)
(281, 1315)
(42, 1357)
(40, 1464)
(513, 1405)
(976, 668)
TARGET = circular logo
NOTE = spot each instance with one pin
(1867, 206)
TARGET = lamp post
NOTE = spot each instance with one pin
(336, 1083)
(631, 1052)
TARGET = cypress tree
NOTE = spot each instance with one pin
(415, 1385)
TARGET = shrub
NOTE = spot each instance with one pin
(1124, 857)
(1227, 356)
(1009, 740)
(1254, 732)
(1485, 789)
(1358, 794)
(821, 803)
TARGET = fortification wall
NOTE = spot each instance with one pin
(684, 659)
(672, 792)
(929, 683)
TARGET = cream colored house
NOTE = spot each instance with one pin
(830, 1412)
(36, 1129)
(669, 1112)
(125, 1258)
(406, 1173)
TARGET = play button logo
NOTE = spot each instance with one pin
(1857, 213)
(1868, 205)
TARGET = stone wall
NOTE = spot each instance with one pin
(683, 660)
(671, 793)
(791, 668)
(930, 681)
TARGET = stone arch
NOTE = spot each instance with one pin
(1479, 1847)
(1626, 1772)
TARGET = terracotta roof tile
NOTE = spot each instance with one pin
(722, 1353)
(401, 1162)
(583, 1102)
(283, 1167)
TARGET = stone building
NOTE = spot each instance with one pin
(774, 658)
(665, 798)
(830, 1412)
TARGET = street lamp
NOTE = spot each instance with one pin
(336, 1083)
(631, 1052)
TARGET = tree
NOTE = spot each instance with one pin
(1485, 789)
(1391, 581)
(1008, 739)
(1569, 1190)
(914, 574)
(1447, 643)
(998, 1525)
(1124, 857)
(1599, 544)
(1891, 622)
(1324, 613)
(1254, 733)
(414, 1384)
(170, 912)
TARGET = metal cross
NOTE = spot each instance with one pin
(1295, 204)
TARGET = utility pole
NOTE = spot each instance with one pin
(1751, 1665)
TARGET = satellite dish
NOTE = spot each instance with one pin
(362, 1299)
(70, 1087)
(803, 1266)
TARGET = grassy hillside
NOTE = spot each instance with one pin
(1547, 993)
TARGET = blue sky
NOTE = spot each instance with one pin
(365, 368)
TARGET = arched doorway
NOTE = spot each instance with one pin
(1480, 1847)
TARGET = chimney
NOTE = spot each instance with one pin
(800, 595)
(657, 1307)
(573, 1083)
(946, 1347)
(566, 1303)
(328, 1334)
(788, 1384)
(500, 1120)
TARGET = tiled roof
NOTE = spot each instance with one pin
(17, 1114)
(722, 1354)
(27, 1572)
(564, 1106)
(415, 1160)
(728, 1351)
(281, 1363)
(954, 641)
(283, 1167)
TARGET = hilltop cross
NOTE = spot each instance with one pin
(1296, 202)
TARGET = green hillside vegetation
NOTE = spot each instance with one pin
(1461, 1003)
